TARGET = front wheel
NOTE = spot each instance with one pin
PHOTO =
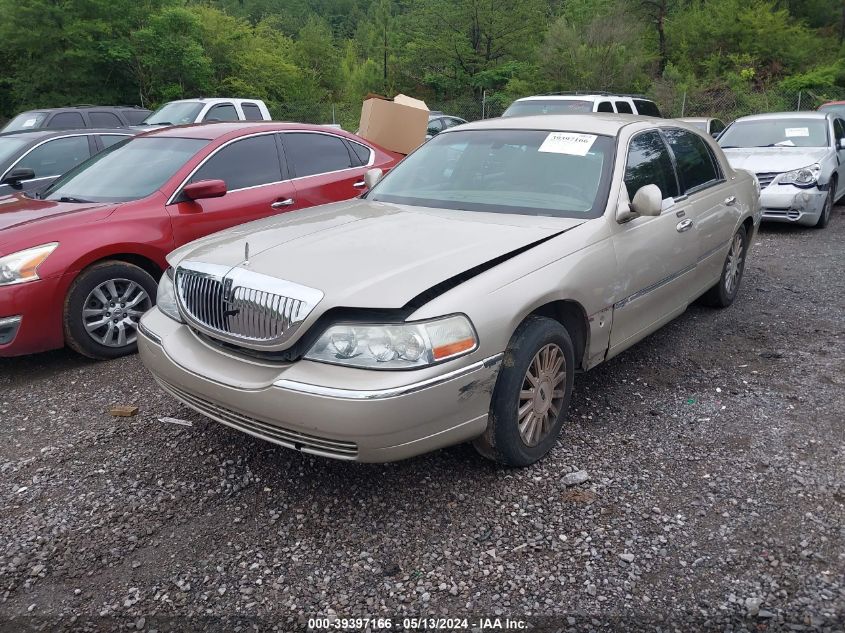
(103, 308)
(724, 292)
(532, 394)
(824, 218)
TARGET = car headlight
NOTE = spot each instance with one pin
(395, 345)
(804, 177)
(166, 297)
(22, 266)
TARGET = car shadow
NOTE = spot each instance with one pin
(43, 365)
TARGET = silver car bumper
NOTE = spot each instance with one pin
(790, 204)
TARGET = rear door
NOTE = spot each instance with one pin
(712, 206)
(656, 254)
(257, 187)
(324, 167)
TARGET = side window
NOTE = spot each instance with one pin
(435, 126)
(362, 152)
(135, 115)
(54, 158)
(647, 108)
(104, 119)
(605, 106)
(315, 153)
(649, 163)
(838, 129)
(251, 112)
(624, 107)
(110, 139)
(67, 120)
(222, 112)
(694, 159)
(245, 163)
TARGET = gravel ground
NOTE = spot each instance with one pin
(713, 453)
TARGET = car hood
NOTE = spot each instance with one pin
(16, 210)
(762, 160)
(371, 254)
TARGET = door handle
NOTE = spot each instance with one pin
(730, 201)
(283, 203)
(359, 185)
(684, 225)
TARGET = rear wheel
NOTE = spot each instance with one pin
(103, 308)
(532, 394)
(724, 292)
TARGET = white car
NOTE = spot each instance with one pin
(582, 102)
(187, 111)
(797, 157)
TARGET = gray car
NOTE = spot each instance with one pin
(797, 157)
(459, 297)
(30, 161)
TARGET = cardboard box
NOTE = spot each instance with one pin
(399, 124)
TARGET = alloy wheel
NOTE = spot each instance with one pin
(733, 267)
(112, 311)
(542, 394)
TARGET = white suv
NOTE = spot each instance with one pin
(577, 103)
(186, 111)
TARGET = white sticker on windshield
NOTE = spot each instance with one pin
(568, 143)
(29, 123)
(797, 131)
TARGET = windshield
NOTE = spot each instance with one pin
(25, 121)
(533, 172)
(175, 113)
(776, 133)
(127, 171)
(550, 106)
(837, 108)
(8, 148)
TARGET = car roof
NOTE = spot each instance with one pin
(800, 114)
(582, 97)
(605, 123)
(696, 119)
(832, 103)
(215, 100)
(215, 130)
(50, 133)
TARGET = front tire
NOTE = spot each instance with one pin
(103, 307)
(532, 394)
(724, 292)
(824, 218)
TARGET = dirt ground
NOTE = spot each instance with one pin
(715, 451)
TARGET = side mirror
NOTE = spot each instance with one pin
(204, 189)
(15, 177)
(715, 134)
(840, 143)
(648, 201)
(372, 177)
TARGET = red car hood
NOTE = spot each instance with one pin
(16, 210)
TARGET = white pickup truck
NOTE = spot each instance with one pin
(203, 110)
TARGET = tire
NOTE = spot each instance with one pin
(824, 218)
(510, 439)
(724, 292)
(93, 326)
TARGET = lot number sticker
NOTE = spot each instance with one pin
(797, 131)
(568, 143)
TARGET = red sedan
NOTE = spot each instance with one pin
(80, 265)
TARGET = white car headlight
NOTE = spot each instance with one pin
(22, 266)
(166, 297)
(804, 177)
(395, 345)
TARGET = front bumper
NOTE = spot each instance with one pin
(36, 309)
(339, 412)
(787, 203)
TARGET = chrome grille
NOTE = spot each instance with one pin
(766, 179)
(241, 305)
(338, 449)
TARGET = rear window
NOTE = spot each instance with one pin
(548, 106)
(647, 108)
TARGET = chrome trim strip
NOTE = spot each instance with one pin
(148, 333)
(658, 284)
(391, 392)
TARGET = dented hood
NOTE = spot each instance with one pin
(762, 160)
(371, 254)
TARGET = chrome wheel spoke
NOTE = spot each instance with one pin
(541, 398)
(112, 310)
(92, 326)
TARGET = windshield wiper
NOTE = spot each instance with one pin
(72, 199)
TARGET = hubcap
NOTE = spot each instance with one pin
(733, 267)
(112, 311)
(541, 397)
